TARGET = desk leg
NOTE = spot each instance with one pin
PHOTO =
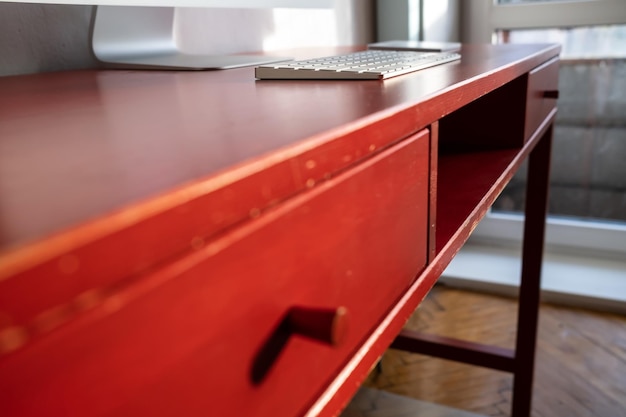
(530, 286)
(521, 361)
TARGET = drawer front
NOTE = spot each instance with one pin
(542, 93)
(205, 335)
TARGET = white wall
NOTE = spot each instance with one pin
(429, 20)
(212, 30)
(35, 38)
(441, 20)
(39, 38)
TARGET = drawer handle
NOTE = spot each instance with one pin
(326, 325)
(551, 94)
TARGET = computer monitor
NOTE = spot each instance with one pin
(141, 33)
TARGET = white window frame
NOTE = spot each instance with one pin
(480, 21)
(482, 18)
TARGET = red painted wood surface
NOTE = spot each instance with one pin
(185, 339)
(121, 167)
(111, 180)
(463, 200)
(456, 219)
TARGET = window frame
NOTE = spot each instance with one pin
(481, 19)
(480, 22)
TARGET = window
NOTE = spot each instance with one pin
(586, 231)
(588, 181)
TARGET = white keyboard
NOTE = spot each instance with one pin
(365, 65)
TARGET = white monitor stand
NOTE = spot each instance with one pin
(143, 37)
(140, 33)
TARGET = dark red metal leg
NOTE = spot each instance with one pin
(530, 286)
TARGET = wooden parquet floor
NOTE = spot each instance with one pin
(580, 365)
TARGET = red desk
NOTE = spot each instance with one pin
(173, 243)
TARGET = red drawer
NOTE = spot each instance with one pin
(186, 340)
(542, 93)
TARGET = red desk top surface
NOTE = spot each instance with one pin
(82, 145)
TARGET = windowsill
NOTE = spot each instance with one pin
(566, 279)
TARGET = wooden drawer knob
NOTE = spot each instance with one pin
(325, 325)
